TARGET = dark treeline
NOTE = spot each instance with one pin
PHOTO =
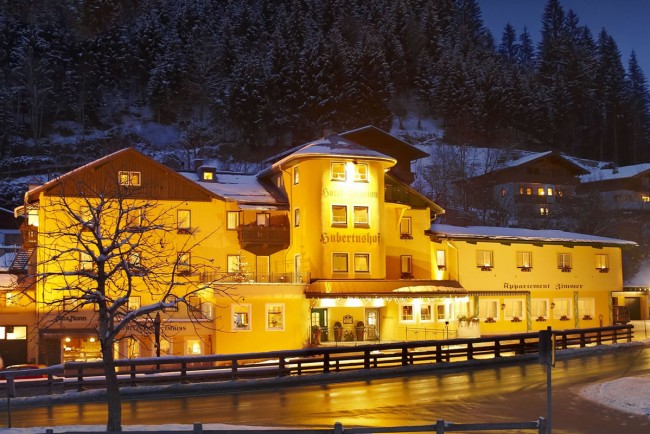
(273, 72)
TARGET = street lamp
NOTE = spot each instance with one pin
(156, 331)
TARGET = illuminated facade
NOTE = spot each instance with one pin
(329, 243)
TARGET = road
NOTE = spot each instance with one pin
(490, 394)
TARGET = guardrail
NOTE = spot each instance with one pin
(440, 427)
(309, 361)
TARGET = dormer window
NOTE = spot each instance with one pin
(208, 174)
(129, 178)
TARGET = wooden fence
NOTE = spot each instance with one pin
(305, 362)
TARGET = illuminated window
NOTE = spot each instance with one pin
(129, 178)
(524, 260)
(602, 262)
(234, 264)
(560, 193)
(539, 308)
(587, 308)
(134, 259)
(340, 262)
(275, 316)
(86, 261)
(541, 191)
(484, 259)
(361, 262)
(296, 175)
(361, 172)
(232, 220)
(339, 215)
(241, 316)
(207, 309)
(183, 221)
(441, 259)
(338, 172)
(193, 347)
(11, 298)
(132, 348)
(549, 191)
(133, 303)
(184, 266)
(514, 309)
(561, 308)
(543, 211)
(296, 217)
(171, 302)
(444, 312)
(645, 198)
(529, 191)
(406, 265)
(407, 312)
(426, 312)
(406, 228)
(564, 261)
(487, 309)
(361, 216)
(133, 218)
(208, 175)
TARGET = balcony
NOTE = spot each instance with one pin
(263, 240)
(224, 277)
(397, 194)
(29, 235)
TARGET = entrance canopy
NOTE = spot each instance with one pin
(385, 289)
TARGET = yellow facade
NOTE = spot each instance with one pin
(326, 245)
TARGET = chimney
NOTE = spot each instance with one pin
(198, 162)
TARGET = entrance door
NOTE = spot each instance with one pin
(319, 318)
(633, 305)
(372, 324)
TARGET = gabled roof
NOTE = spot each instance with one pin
(514, 235)
(623, 172)
(126, 155)
(533, 158)
(379, 140)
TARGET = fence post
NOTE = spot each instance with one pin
(470, 351)
(338, 428)
(440, 426)
(497, 348)
(197, 428)
(404, 356)
(366, 359)
(541, 426)
(184, 372)
(326, 363)
(80, 379)
(233, 372)
(133, 383)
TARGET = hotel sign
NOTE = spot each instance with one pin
(356, 238)
(557, 286)
(328, 193)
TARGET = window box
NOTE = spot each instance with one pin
(540, 319)
(490, 320)
(603, 270)
(525, 269)
(564, 318)
(587, 317)
(185, 231)
(407, 276)
(486, 268)
(442, 267)
(515, 319)
(406, 236)
(566, 269)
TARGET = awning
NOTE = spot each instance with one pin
(384, 288)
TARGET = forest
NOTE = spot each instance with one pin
(260, 75)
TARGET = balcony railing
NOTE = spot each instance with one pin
(396, 194)
(264, 240)
(254, 277)
(29, 235)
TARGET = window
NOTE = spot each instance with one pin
(541, 191)
(487, 309)
(184, 266)
(296, 175)
(484, 260)
(426, 312)
(340, 262)
(561, 308)
(543, 211)
(361, 263)
(361, 172)
(587, 308)
(171, 303)
(407, 313)
(234, 264)
(514, 309)
(361, 216)
(296, 217)
(208, 174)
(241, 316)
(193, 347)
(207, 309)
(133, 218)
(338, 171)
(132, 348)
(602, 263)
(133, 303)
(406, 266)
(232, 220)
(405, 228)
(129, 178)
(183, 219)
(263, 219)
(539, 309)
(529, 191)
(339, 215)
(441, 259)
(524, 261)
(549, 191)
(564, 261)
(86, 261)
(134, 262)
(275, 317)
(645, 198)
(504, 192)
(11, 298)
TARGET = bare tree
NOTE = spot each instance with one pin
(103, 243)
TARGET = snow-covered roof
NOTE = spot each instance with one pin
(615, 173)
(237, 187)
(550, 236)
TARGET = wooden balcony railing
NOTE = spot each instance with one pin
(264, 240)
(29, 235)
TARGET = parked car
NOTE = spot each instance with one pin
(26, 366)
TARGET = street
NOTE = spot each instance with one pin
(491, 394)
